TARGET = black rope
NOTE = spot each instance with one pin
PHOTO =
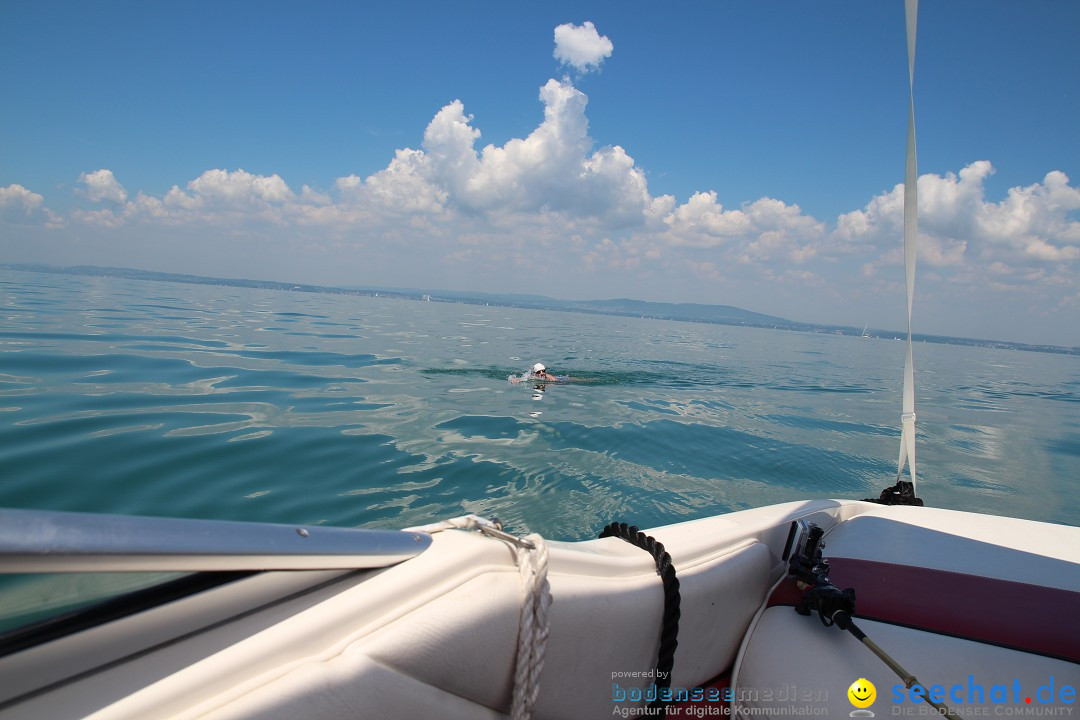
(669, 631)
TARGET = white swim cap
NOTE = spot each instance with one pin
(539, 367)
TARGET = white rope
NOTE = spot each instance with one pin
(734, 705)
(911, 232)
(533, 627)
(465, 522)
(532, 562)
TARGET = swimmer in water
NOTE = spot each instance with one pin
(539, 372)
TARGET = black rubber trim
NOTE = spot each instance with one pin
(114, 608)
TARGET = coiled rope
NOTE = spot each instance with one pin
(669, 630)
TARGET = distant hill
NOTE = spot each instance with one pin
(693, 312)
(722, 314)
(688, 312)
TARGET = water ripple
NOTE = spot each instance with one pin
(154, 398)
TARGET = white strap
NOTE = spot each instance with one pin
(911, 231)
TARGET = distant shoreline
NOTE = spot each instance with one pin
(683, 312)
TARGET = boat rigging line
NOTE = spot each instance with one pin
(905, 492)
(911, 232)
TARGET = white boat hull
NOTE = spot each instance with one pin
(435, 636)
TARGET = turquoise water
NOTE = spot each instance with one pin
(220, 402)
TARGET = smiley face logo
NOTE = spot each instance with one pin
(862, 693)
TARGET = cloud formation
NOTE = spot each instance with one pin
(19, 206)
(960, 228)
(453, 208)
(762, 231)
(553, 169)
(101, 186)
(581, 47)
(554, 187)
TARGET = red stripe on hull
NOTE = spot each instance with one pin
(1031, 618)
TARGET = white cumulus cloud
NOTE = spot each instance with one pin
(102, 186)
(20, 206)
(764, 230)
(553, 169)
(958, 226)
(581, 47)
(453, 205)
(238, 190)
(215, 196)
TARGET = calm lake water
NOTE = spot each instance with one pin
(219, 402)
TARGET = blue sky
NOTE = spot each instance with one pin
(727, 152)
